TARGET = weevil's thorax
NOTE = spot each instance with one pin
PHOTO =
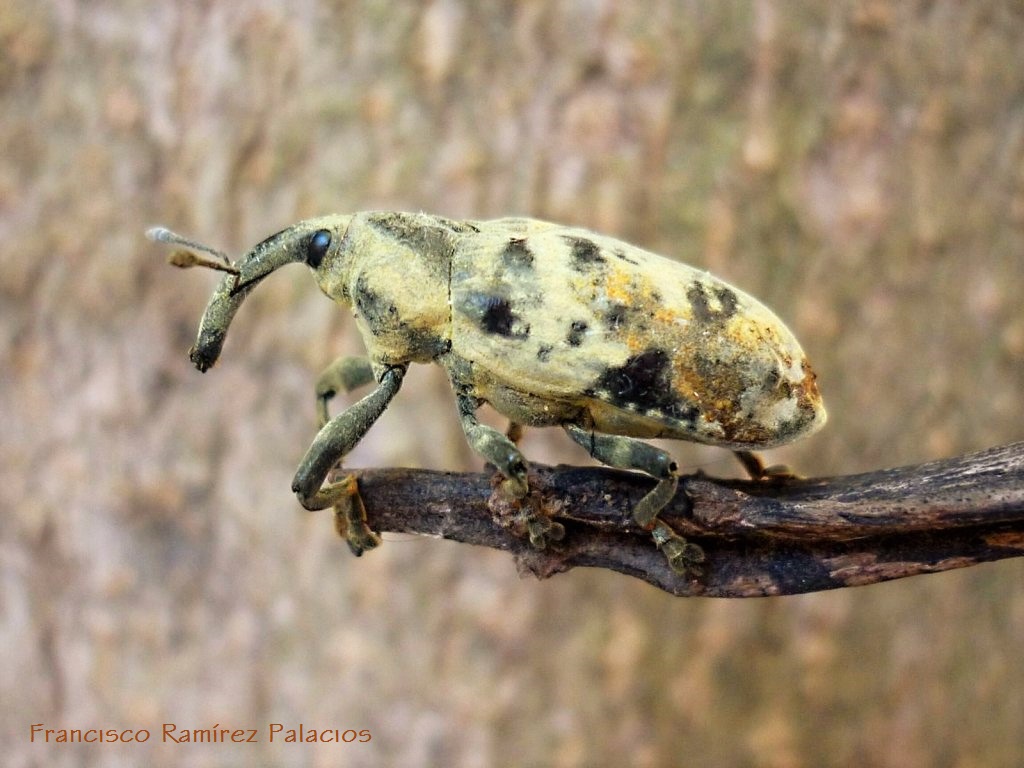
(395, 270)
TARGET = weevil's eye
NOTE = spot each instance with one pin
(317, 248)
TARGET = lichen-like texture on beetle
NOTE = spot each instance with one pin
(550, 325)
(558, 323)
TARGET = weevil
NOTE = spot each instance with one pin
(552, 326)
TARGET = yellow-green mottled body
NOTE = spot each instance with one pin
(554, 324)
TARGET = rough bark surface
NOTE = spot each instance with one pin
(760, 538)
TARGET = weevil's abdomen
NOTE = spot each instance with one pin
(744, 385)
(633, 343)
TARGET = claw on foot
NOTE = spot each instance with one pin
(350, 518)
(518, 507)
(543, 530)
(683, 557)
(514, 487)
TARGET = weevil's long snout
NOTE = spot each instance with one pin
(213, 328)
(242, 277)
(274, 252)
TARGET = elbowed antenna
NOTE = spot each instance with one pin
(186, 259)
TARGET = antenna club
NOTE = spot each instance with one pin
(160, 235)
(164, 235)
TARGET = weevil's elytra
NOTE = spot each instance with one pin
(493, 315)
(516, 254)
(585, 253)
(619, 253)
(551, 325)
(577, 333)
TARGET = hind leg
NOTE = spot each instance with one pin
(755, 467)
(628, 453)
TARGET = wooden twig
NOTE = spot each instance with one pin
(760, 538)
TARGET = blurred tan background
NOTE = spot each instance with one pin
(857, 165)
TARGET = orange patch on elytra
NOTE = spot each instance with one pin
(670, 316)
(634, 291)
(620, 286)
(807, 394)
(688, 383)
(636, 343)
(751, 334)
(688, 386)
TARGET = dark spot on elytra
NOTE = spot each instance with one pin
(699, 301)
(585, 253)
(544, 352)
(615, 317)
(577, 331)
(702, 309)
(493, 314)
(644, 383)
(498, 317)
(517, 254)
(619, 253)
(728, 300)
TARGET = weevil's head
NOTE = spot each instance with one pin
(314, 242)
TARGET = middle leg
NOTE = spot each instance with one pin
(495, 447)
(343, 375)
(501, 451)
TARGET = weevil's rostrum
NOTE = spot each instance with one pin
(551, 325)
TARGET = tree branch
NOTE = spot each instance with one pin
(760, 538)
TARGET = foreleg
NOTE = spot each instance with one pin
(334, 440)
